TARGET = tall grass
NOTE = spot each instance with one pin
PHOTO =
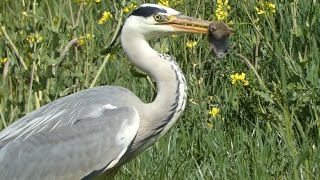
(267, 130)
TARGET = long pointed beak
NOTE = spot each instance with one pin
(188, 24)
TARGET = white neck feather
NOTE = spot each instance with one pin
(171, 85)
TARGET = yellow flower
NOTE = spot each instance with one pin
(112, 57)
(259, 11)
(239, 78)
(129, 8)
(3, 60)
(177, 2)
(164, 49)
(222, 10)
(34, 38)
(89, 36)
(24, 13)
(210, 125)
(97, 1)
(246, 83)
(82, 39)
(214, 111)
(55, 20)
(31, 38)
(163, 2)
(265, 8)
(39, 39)
(106, 15)
(191, 44)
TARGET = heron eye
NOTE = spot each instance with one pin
(157, 17)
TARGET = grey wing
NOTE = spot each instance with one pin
(87, 147)
(67, 110)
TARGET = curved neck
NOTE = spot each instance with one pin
(140, 53)
(148, 60)
(160, 115)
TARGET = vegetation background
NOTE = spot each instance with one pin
(267, 128)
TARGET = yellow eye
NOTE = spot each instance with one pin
(157, 17)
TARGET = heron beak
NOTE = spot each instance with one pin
(188, 24)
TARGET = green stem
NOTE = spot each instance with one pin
(246, 60)
(106, 59)
(13, 47)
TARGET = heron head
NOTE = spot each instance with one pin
(152, 20)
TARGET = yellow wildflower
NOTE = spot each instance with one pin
(239, 78)
(270, 5)
(82, 39)
(31, 38)
(246, 83)
(210, 125)
(259, 11)
(163, 2)
(89, 36)
(106, 15)
(191, 44)
(97, 1)
(214, 111)
(164, 49)
(112, 57)
(24, 13)
(39, 39)
(55, 20)
(177, 2)
(129, 8)
(3, 60)
(265, 8)
(222, 10)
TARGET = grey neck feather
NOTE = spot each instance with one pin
(161, 114)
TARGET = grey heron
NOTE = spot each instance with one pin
(95, 131)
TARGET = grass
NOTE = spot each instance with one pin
(267, 130)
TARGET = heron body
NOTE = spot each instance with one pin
(97, 130)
